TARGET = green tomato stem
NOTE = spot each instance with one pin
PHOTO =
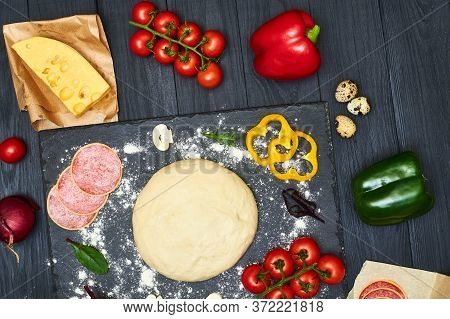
(152, 17)
(171, 40)
(285, 280)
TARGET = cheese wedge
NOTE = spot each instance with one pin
(65, 71)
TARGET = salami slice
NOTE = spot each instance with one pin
(63, 217)
(96, 169)
(382, 293)
(75, 199)
(385, 284)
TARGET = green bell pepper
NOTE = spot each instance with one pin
(391, 191)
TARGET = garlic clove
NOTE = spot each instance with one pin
(162, 137)
(214, 295)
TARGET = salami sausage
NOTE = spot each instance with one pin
(382, 293)
(63, 217)
(76, 200)
(96, 169)
(382, 284)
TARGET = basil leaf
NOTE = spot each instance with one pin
(298, 206)
(90, 258)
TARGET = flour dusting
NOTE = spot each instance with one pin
(111, 232)
(131, 148)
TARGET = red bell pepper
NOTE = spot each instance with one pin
(285, 48)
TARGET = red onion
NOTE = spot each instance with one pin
(17, 216)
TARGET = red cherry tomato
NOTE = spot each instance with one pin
(210, 77)
(284, 292)
(164, 52)
(276, 260)
(333, 268)
(306, 285)
(190, 34)
(141, 43)
(166, 22)
(215, 44)
(12, 150)
(304, 249)
(253, 279)
(142, 12)
(187, 65)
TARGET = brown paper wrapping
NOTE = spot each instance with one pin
(417, 284)
(85, 34)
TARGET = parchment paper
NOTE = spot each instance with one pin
(85, 34)
(417, 284)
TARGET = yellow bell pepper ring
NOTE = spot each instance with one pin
(292, 173)
(286, 138)
(274, 154)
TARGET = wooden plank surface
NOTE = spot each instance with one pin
(32, 277)
(212, 15)
(349, 42)
(405, 79)
(146, 88)
(420, 85)
(54, 9)
(44, 10)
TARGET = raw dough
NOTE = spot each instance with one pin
(194, 220)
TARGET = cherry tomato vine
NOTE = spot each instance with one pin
(163, 27)
(204, 59)
(285, 280)
(277, 277)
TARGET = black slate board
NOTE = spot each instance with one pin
(140, 159)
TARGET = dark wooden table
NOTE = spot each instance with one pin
(398, 51)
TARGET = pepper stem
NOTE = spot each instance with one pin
(313, 33)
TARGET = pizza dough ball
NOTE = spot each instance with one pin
(194, 220)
